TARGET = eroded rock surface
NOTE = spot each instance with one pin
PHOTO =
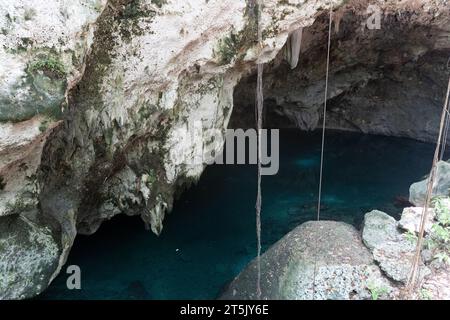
(389, 81)
(391, 249)
(441, 187)
(317, 260)
(29, 256)
(107, 106)
(412, 217)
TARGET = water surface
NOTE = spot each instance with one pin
(210, 235)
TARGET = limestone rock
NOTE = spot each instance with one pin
(441, 187)
(143, 88)
(332, 251)
(411, 219)
(97, 99)
(28, 257)
(391, 249)
(409, 107)
(378, 227)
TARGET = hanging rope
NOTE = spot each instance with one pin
(413, 278)
(324, 114)
(444, 140)
(323, 142)
(447, 120)
(259, 112)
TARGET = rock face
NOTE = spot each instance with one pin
(106, 107)
(317, 260)
(378, 228)
(391, 249)
(418, 190)
(389, 81)
(29, 258)
(411, 219)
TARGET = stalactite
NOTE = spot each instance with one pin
(293, 47)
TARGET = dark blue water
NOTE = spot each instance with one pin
(210, 235)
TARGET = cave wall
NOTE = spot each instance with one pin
(117, 142)
(106, 91)
(388, 81)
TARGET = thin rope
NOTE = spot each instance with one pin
(447, 121)
(444, 141)
(413, 278)
(324, 114)
(323, 143)
(259, 108)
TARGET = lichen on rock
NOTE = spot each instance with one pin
(317, 260)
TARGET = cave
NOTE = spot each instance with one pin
(389, 81)
(356, 94)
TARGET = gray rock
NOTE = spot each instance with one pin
(317, 260)
(379, 227)
(28, 257)
(411, 219)
(418, 190)
(391, 249)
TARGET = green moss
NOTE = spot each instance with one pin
(130, 17)
(229, 47)
(45, 93)
(50, 65)
(152, 177)
(43, 126)
(17, 207)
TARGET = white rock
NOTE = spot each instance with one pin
(412, 216)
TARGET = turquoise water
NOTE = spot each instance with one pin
(210, 235)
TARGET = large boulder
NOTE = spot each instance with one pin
(412, 217)
(29, 256)
(391, 249)
(317, 260)
(379, 227)
(441, 187)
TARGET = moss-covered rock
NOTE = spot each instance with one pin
(28, 257)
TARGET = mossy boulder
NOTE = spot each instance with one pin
(317, 260)
(28, 257)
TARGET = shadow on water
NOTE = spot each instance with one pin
(210, 235)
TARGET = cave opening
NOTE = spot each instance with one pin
(390, 81)
(386, 91)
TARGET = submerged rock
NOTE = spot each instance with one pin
(317, 260)
(441, 187)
